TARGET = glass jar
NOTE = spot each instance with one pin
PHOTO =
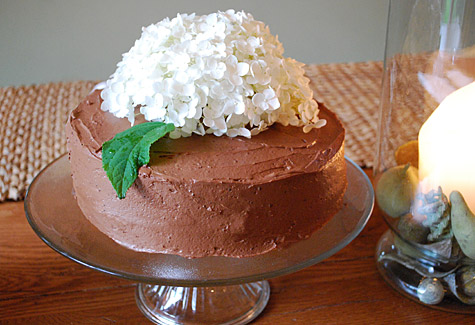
(425, 161)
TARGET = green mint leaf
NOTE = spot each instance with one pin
(128, 151)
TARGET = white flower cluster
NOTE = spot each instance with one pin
(221, 73)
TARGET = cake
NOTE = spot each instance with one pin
(221, 194)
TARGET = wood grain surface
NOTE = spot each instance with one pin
(39, 286)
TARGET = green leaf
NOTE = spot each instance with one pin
(128, 151)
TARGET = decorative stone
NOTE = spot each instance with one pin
(396, 189)
(463, 224)
(467, 280)
(430, 291)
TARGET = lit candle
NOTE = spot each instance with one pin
(447, 145)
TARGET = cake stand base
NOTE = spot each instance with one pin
(237, 304)
(408, 271)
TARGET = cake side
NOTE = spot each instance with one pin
(203, 196)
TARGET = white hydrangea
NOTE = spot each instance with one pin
(221, 73)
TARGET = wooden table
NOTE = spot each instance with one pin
(39, 286)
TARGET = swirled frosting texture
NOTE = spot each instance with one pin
(202, 196)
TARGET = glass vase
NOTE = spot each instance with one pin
(425, 160)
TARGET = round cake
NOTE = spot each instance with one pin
(206, 141)
(208, 195)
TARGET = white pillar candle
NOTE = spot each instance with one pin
(447, 145)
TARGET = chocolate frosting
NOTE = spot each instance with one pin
(208, 195)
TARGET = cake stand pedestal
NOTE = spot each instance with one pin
(177, 290)
(237, 304)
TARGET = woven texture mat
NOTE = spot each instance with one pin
(352, 91)
(32, 119)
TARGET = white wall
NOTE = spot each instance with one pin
(65, 40)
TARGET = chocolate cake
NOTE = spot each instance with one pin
(209, 195)
(206, 141)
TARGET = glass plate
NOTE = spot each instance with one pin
(54, 215)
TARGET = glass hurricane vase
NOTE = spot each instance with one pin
(425, 162)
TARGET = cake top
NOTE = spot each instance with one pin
(222, 73)
(278, 153)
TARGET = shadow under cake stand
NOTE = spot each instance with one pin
(177, 290)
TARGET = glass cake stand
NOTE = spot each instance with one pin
(177, 290)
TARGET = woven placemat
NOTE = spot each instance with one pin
(32, 119)
(352, 91)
